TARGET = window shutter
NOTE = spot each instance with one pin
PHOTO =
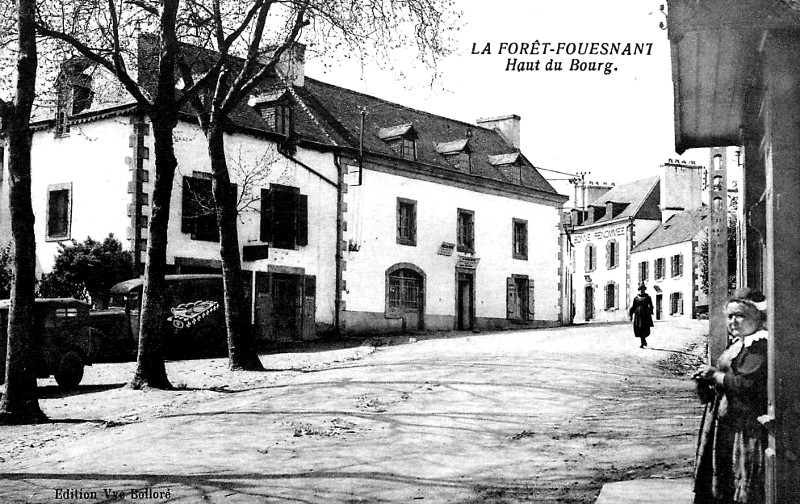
(616, 296)
(266, 215)
(609, 255)
(413, 223)
(586, 258)
(616, 254)
(680, 264)
(186, 207)
(530, 300)
(511, 297)
(302, 219)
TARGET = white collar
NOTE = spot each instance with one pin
(756, 336)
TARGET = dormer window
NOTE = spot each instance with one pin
(402, 139)
(276, 109)
(74, 93)
(457, 153)
(510, 165)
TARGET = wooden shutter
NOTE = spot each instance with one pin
(186, 207)
(511, 298)
(616, 254)
(309, 307)
(302, 220)
(616, 295)
(412, 224)
(609, 254)
(266, 215)
(530, 300)
(680, 264)
(586, 258)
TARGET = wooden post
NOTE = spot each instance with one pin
(717, 252)
(782, 157)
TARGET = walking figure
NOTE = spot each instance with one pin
(641, 313)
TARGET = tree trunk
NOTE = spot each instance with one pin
(20, 404)
(241, 350)
(150, 369)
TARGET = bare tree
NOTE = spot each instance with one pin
(107, 37)
(19, 403)
(244, 54)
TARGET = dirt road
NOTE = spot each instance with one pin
(534, 416)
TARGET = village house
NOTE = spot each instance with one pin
(604, 237)
(356, 214)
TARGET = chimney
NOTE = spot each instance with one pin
(292, 63)
(681, 188)
(507, 126)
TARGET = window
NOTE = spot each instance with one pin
(676, 265)
(660, 268)
(612, 296)
(284, 217)
(403, 291)
(198, 211)
(519, 298)
(406, 222)
(405, 147)
(279, 118)
(466, 230)
(676, 303)
(520, 239)
(59, 212)
(2, 156)
(612, 254)
(590, 257)
(644, 272)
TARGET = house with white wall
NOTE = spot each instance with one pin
(356, 214)
(669, 263)
(604, 236)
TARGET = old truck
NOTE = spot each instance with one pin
(63, 341)
(193, 325)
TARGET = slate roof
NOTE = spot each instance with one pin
(330, 116)
(640, 197)
(681, 227)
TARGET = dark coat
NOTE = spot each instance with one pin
(642, 314)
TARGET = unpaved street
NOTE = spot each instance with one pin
(539, 416)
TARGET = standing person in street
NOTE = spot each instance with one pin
(729, 464)
(641, 313)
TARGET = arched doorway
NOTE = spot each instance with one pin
(405, 295)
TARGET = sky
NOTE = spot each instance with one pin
(616, 126)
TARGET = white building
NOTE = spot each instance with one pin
(669, 263)
(604, 237)
(357, 214)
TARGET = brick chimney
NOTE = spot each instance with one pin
(507, 126)
(681, 187)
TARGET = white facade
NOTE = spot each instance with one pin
(95, 164)
(373, 250)
(677, 290)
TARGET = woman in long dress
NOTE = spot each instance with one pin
(729, 464)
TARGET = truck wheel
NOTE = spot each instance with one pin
(70, 370)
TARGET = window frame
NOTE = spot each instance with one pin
(290, 230)
(465, 230)
(590, 258)
(676, 265)
(409, 238)
(644, 272)
(612, 256)
(660, 269)
(200, 227)
(50, 235)
(519, 244)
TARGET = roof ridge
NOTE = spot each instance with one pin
(412, 109)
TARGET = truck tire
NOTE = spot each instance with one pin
(70, 370)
